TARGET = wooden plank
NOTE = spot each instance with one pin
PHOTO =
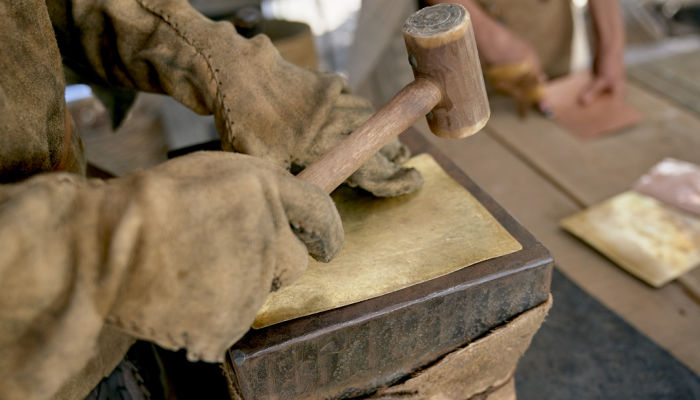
(676, 77)
(667, 315)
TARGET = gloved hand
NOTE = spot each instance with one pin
(263, 105)
(382, 174)
(215, 233)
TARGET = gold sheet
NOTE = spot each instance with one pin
(652, 241)
(394, 243)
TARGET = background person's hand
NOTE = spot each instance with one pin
(521, 82)
(609, 63)
(510, 63)
(513, 68)
(500, 46)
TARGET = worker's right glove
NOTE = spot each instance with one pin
(208, 236)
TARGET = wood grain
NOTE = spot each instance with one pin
(446, 54)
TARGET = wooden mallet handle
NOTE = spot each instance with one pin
(448, 89)
(411, 103)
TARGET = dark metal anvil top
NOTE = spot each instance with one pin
(354, 350)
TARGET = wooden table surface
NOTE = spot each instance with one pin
(541, 174)
(676, 77)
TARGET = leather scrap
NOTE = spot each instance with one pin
(652, 241)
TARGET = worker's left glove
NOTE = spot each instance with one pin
(263, 105)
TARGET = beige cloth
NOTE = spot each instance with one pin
(183, 254)
(483, 369)
(33, 122)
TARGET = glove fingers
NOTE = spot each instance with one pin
(383, 178)
(291, 259)
(395, 151)
(313, 218)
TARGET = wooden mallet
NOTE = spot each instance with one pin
(448, 89)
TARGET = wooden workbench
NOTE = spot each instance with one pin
(541, 174)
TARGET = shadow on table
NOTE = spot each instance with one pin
(585, 351)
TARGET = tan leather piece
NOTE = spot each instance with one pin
(606, 115)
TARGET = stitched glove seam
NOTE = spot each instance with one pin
(199, 50)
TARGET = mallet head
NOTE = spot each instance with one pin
(441, 48)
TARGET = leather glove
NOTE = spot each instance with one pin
(263, 105)
(382, 174)
(211, 234)
(293, 116)
(521, 81)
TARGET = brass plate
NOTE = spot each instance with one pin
(652, 241)
(394, 243)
